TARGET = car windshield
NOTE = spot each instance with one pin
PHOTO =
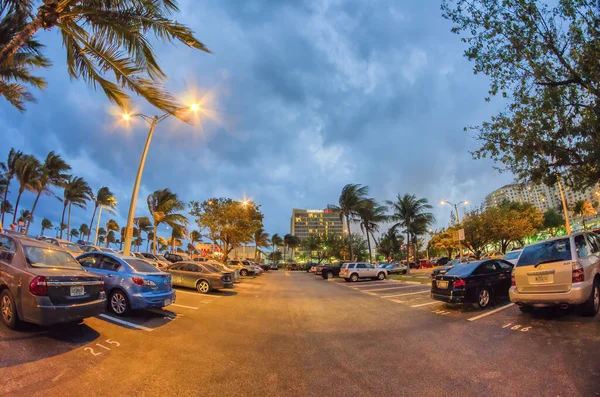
(48, 257)
(548, 251)
(512, 255)
(110, 250)
(463, 269)
(161, 258)
(71, 247)
(141, 266)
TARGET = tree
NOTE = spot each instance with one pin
(163, 205)
(445, 240)
(512, 222)
(105, 198)
(73, 233)
(543, 60)
(9, 170)
(261, 240)
(26, 172)
(293, 243)
(113, 226)
(389, 244)
(111, 238)
(76, 192)
(286, 241)
(276, 241)
(478, 234)
(6, 207)
(53, 172)
(350, 200)
(104, 38)
(274, 256)
(144, 225)
(583, 208)
(101, 234)
(46, 224)
(84, 231)
(228, 223)
(553, 220)
(370, 214)
(178, 232)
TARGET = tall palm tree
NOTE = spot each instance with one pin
(53, 172)
(408, 210)
(261, 239)
(276, 241)
(149, 237)
(287, 238)
(143, 224)
(370, 215)
(25, 217)
(46, 224)
(178, 232)
(104, 38)
(26, 172)
(73, 233)
(352, 197)
(84, 231)
(9, 170)
(110, 238)
(76, 192)
(583, 208)
(113, 226)
(105, 198)
(163, 205)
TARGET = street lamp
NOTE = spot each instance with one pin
(153, 121)
(465, 202)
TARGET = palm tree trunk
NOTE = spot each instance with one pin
(408, 252)
(147, 243)
(4, 199)
(32, 211)
(154, 242)
(17, 205)
(21, 38)
(582, 221)
(350, 238)
(69, 220)
(62, 220)
(93, 216)
(369, 245)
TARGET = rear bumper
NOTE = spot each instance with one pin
(152, 299)
(45, 313)
(452, 298)
(578, 294)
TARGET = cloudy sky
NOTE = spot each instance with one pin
(304, 97)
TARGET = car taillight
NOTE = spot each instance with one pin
(102, 287)
(512, 280)
(459, 283)
(38, 286)
(578, 275)
(143, 282)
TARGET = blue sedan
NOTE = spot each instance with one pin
(130, 283)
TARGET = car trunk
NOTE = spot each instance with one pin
(227, 277)
(67, 287)
(443, 285)
(553, 277)
(162, 281)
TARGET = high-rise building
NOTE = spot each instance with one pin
(305, 223)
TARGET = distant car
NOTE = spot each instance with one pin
(173, 258)
(66, 244)
(355, 271)
(477, 283)
(308, 266)
(292, 266)
(129, 282)
(162, 262)
(396, 268)
(442, 261)
(257, 269)
(199, 259)
(43, 284)
(425, 264)
(220, 266)
(264, 266)
(274, 266)
(245, 270)
(331, 271)
(84, 242)
(413, 265)
(513, 256)
(201, 276)
(319, 269)
(444, 269)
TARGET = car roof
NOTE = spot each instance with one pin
(33, 242)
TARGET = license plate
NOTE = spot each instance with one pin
(442, 284)
(542, 279)
(167, 302)
(77, 290)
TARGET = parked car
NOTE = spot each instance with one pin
(307, 266)
(130, 283)
(257, 269)
(331, 271)
(43, 284)
(413, 265)
(200, 259)
(355, 271)
(66, 244)
(513, 256)
(201, 276)
(477, 283)
(313, 268)
(425, 264)
(173, 258)
(84, 242)
(292, 266)
(220, 266)
(444, 269)
(319, 268)
(396, 268)
(264, 266)
(442, 261)
(563, 271)
(245, 270)
(95, 248)
(274, 266)
(162, 262)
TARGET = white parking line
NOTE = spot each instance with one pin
(367, 284)
(426, 304)
(366, 291)
(410, 293)
(185, 307)
(127, 323)
(178, 291)
(491, 312)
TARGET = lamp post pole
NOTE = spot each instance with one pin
(465, 202)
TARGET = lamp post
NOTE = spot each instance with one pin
(153, 121)
(564, 204)
(465, 202)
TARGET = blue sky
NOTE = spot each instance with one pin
(305, 97)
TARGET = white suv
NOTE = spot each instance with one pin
(354, 271)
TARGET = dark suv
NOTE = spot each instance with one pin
(331, 271)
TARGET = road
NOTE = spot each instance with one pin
(294, 334)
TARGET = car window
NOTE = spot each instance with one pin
(512, 255)
(504, 265)
(175, 267)
(361, 266)
(7, 249)
(210, 268)
(351, 266)
(592, 243)
(109, 264)
(146, 255)
(463, 269)
(191, 268)
(141, 266)
(47, 257)
(71, 247)
(581, 246)
(486, 268)
(551, 251)
(91, 261)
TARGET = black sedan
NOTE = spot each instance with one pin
(331, 271)
(477, 283)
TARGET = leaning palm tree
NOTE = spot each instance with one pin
(163, 205)
(46, 224)
(76, 192)
(178, 232)
(143, 224)
(113, 226)
(104, 38)
(370, 215)
(352, 197)
(583, 209)
(105, 198)
(25, 217)
(9, 169)
(73, 233)
(27, 170)
(261, 239)
(53, 172)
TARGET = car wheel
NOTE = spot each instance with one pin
(10, 317)
(244, 272)
(203, 287)
(354, 277)
(329, 275)
(347, 280)
(118, 303)
(525, 309)
(483, 298)
(381, 276)
(591, 307)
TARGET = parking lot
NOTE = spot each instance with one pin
(293, 333)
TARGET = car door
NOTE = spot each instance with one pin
(370, 270)
(361, 268)
(481, 277)
(9, 276)
(504, 281)
(190, 274)
(109, 268)
(176, 274)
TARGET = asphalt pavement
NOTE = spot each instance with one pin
(295, 334)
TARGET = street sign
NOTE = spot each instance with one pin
(461, 234)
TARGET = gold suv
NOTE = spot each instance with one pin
(563, 271)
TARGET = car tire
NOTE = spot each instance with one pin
(591, 306)
(354, 277)
(118, 303)
(244, 272)
(381, 276)
(8, 310)
(329, 275)
(484, 297)
(347, 280)
(203, 287)
(526, 308)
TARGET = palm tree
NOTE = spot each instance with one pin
(143, 224)
(46, 224)
(73, 233)
(9, 170)
(149, 237)
(111, 225)
(25, 217)
(105, 198)
(110, 238)
(84, 231)
(583, 208)
(352, 197)
(107, 37)
(370, 215)
(286, 244)
(52, 173)
(178, 232)
(261, 239)
(163, 205)
(76, 192)
(276, 241)
(408, 210)
(26, 172)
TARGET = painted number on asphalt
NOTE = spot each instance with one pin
(516, 327)
(441, 312)
(95, 353)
